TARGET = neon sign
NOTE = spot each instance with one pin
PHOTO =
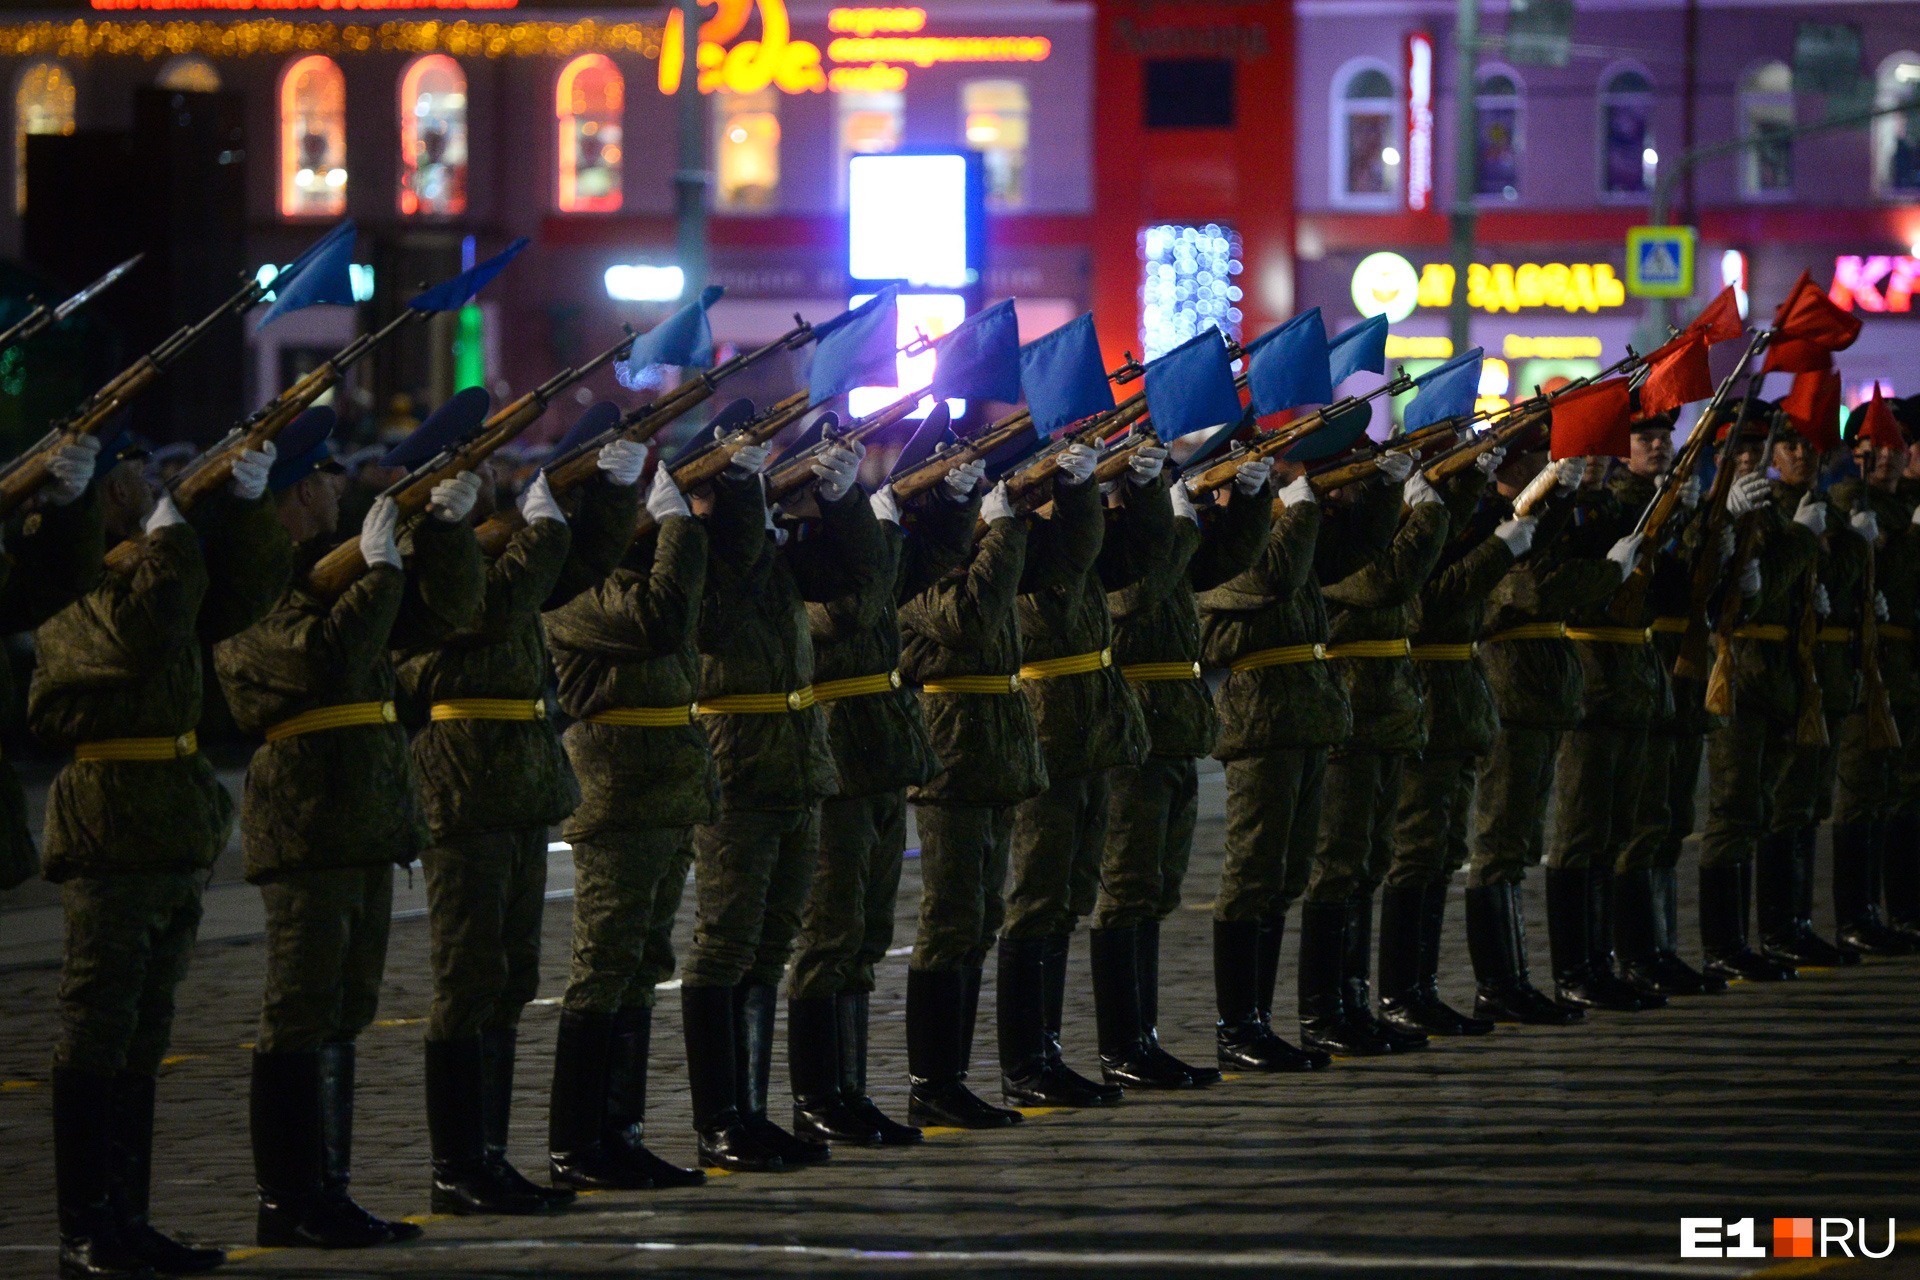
(1877, 283)
(1501, 286)
(864, 22)
(750, 65)
(1419, 121)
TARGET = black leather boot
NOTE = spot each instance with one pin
(937, 1048)
(850, 1012)
(1785, 906)
(1029, 1076)
(1677, 977)
(464, 1180)
(1356, 966)
(499, 1053)
(1724, 897)
(624, 1126)
(1600, 944)
(337, 1065)
(131, 1136)
(1636, 932)
(1324, 1021)
(1411, 917)
(303, 1185)
(706, 1014)
(1058, 948)
(1900, 874)
(754, 1007)
(93, 1245)
(1856, 892)
(821, 1113)
(1244, 1034)
(577, 1155)
(1147, 957)
(1571, 925)
(1112, 955)
(1497, 942)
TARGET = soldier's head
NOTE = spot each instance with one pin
(1795, 458)
(1880, 455)
(310, 506)
(1650, 447)
(126, 498)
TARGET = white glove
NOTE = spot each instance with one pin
(1567, 473)
(1880, 611)
(1300, 490)
(1489, 462)
(1822, 603)
(1749, 493)
(747, 460)
(1252, 474)
(1916, 517)
(1623, 551)
(1689, 494)
(1077, 463)
(1750, 579)
(1812, 513)
(537, 502)
(837, 466)
(377, 542)
(1396, 466)
(1517, 533)
(964, 479)
(1183, 508)
(664, 498)
(884, 505)
(1144, 466)
(1866, 524)
(996, 505)
(71, 466)
(1417, 492)
(452, 500)
(164, 513)
(622, 460)
(249, 478)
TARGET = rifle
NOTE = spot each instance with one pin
(43, 317)
(1222, 473)
(339, 568)
(1882, 733)
(1719, 699)
(796, 473)
(945, 460)
(704, 467)
(1025, 488)
(1337, 475)
(1811, 727)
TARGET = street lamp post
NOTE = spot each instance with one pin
(1466, 166)
(691, 179)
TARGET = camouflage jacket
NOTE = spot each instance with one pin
(1842, 565)
(124, 661)
(1669, 598)
(1460, 715)
(1896, 576)
(342, 797)
(1766, 678)
(1622, 685)
(1157, 618)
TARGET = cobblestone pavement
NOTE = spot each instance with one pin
(1532, 1152)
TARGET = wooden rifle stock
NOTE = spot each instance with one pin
(705, 467)
(924, 477)
(797, 472)
(1025, 489)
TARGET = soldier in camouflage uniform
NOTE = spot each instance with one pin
(1156, 646)
(628, 669)
(493, 778)
(1900, 847)
(133, 824)
(328, 812)
(880, 748)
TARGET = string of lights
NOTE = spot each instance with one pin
(82, 39)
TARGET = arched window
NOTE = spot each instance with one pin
(747, 150)
(589, 100)
(1497, 117)
(1365, 161)
(1896, 137)
(433, 137)
(1766, 120)
(868, 122)
(1627, 153)
(42, 103)
(313, 139)
(994, 121)
(188, 74)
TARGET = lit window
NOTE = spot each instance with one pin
(1628, 156)
(1187, 285)
(42, 103)
(433, 136)
(747, 150)
(1766, 121)
(313, 139)
(588, 100)
(1896, 137)
(1366, 138)
(188, 73)
(1497, 116)
(871, 123)
(995, 123)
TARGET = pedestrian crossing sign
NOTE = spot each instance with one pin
(1660, 262)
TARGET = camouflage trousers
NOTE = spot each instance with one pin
(486, 895)
(1430, 819)
(848, 922)
(964, 850)
(1869, 783)
(1745, 760)
(1510, 805)
(1151, 812)
(1664, 811)
(1596, 792)
(1058, 836)
(1273, 818)
(128, 942)
(627, 887)
(326, 952)
(1803, 789)
(752, 868)
(1355, 842)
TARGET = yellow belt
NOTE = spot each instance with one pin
(644, 717)
(856, 686)
(1369, 649)
(1760, 631)
(489, 709)
(1609, 635)
(972, 684)
(1674, 626)
(139, 748)
(1078, 665)
(1285, 656)
(756, 704)
(1834, 635)
(1441, 653)
(1531, 631)
(1141, 672)
(340, 717)
(1890, 632)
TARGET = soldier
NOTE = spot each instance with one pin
(315, 680)
(880, 748)
(1901, 847)
(134, 823)
(624, 651)
(753, 862)
(493, 778)
(1156, 645)
(1436, 786)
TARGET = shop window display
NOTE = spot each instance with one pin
(589, 100)
(42, 103)
(869, 123)
(1896, 137)
(747, 150)
(433, 137)
(1366, 138)
(1497, 123)
(313, 139)
(1766, 121)
(995, 124)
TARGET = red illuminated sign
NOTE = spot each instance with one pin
(1880, 282)
(1419, 121)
